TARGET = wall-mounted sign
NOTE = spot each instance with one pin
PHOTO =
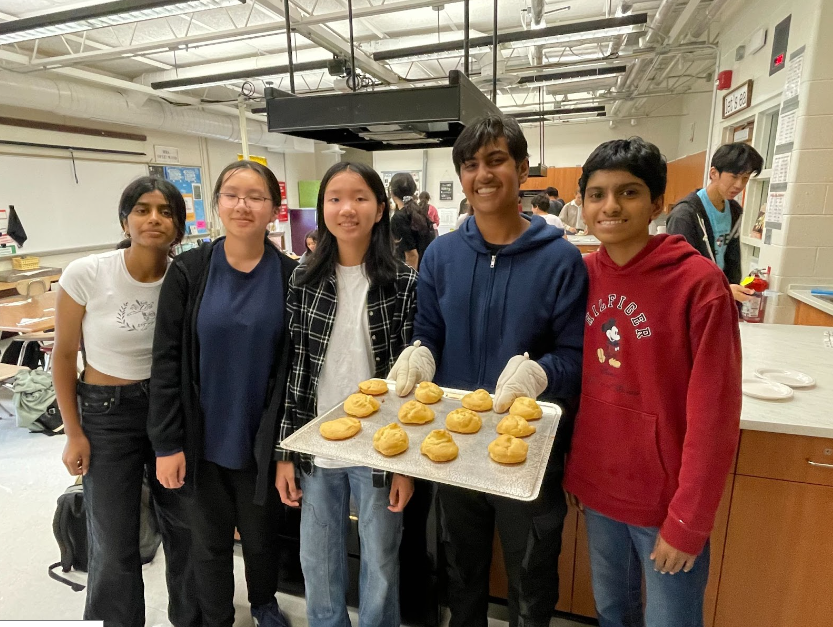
(166, 154)
(446, 190)
(737, 100)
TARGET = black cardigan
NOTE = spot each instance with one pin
(175, 420)
(689, 219)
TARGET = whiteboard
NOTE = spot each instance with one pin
(58, 213)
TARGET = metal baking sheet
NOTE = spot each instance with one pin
(473, 468)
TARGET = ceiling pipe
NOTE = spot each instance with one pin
(537, 10)
(700, 27)
(634, 73)
(94, 103)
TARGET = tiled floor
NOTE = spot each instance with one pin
(31, 479)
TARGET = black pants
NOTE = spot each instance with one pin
(114, 419)
(530, 534)
(223, 500)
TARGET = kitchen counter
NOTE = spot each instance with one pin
(806, 349)
(802, 293)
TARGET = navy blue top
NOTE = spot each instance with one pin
(477, 308)
(240, 319)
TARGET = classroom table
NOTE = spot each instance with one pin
(21, 314)
(11, 277)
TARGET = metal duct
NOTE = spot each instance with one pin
(701, 26)
(537, 10)
(634, 73)
(88, 102)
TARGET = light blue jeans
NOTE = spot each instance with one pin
(325, 508)
(619, 557)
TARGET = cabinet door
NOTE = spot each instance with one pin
(777, 566)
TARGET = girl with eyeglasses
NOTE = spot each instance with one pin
(221, 357)
(111, 299)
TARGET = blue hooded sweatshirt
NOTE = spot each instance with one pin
(475, 310)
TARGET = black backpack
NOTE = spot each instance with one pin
(70, 528)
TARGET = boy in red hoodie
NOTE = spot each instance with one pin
(660, 409)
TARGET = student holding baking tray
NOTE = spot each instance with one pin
(520, 289)
(351, 309)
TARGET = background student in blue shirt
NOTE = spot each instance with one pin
(500, 306)
(709, 218)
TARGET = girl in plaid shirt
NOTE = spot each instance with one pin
(351, 309)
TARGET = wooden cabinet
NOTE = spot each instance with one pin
(684, 176)
(810, 316)
(565, 180)
(777, 567)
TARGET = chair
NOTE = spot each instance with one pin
(45, 340)
(32, 287)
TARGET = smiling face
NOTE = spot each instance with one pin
(729, 185)
(150, 222)
(491, 179)
(618, 207)
(245, 219)
(351, 209)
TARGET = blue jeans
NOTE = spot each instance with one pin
(324, 525)
(619, 557)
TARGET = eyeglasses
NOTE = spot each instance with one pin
(229, 201)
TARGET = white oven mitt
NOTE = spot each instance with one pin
(415, 364)
(521, 377)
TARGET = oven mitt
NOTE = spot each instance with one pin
(415, 364)
(521, 377)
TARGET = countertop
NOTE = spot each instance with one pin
(803, 348)
(802, 293)
(583, 240)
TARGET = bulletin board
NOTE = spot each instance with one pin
(388, 175)
(188, 180)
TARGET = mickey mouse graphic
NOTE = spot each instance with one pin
(610, 353)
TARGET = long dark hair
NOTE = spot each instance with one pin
(144, 185)
(403, 187)
(379, 262)
(265, 173)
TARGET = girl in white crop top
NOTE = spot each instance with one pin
(107, 302)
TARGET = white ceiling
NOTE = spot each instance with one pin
(378, 32)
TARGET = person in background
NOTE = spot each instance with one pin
(659, 421)
(541, 207)
(571, 214)
(556, 204)
(520, 290)
(350, 314)
(221, 359)
(431, 210)
(410, 225)
(310, 242)
(709, 218)
(111, 300)
(466, 210)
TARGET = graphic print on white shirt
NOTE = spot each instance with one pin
(139, 315)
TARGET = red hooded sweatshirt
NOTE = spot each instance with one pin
(659, 420)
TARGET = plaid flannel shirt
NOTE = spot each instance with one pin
(312, 311)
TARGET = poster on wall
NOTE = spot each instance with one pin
(388, 175)
(446, 190)
(188, 180)
(283, 211)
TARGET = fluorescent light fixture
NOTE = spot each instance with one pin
(576, 38)
(575, 76)
(522, 115)
(436, 56)
(576, 31)
(210, 80)
(100, 16)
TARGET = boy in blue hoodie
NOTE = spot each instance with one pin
(500, 305)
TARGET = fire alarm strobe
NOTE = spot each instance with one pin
(724, 80)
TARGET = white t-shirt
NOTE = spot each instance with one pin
(120, 314)
(553, 220)
(349, 357)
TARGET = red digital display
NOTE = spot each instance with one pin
(779, 59)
